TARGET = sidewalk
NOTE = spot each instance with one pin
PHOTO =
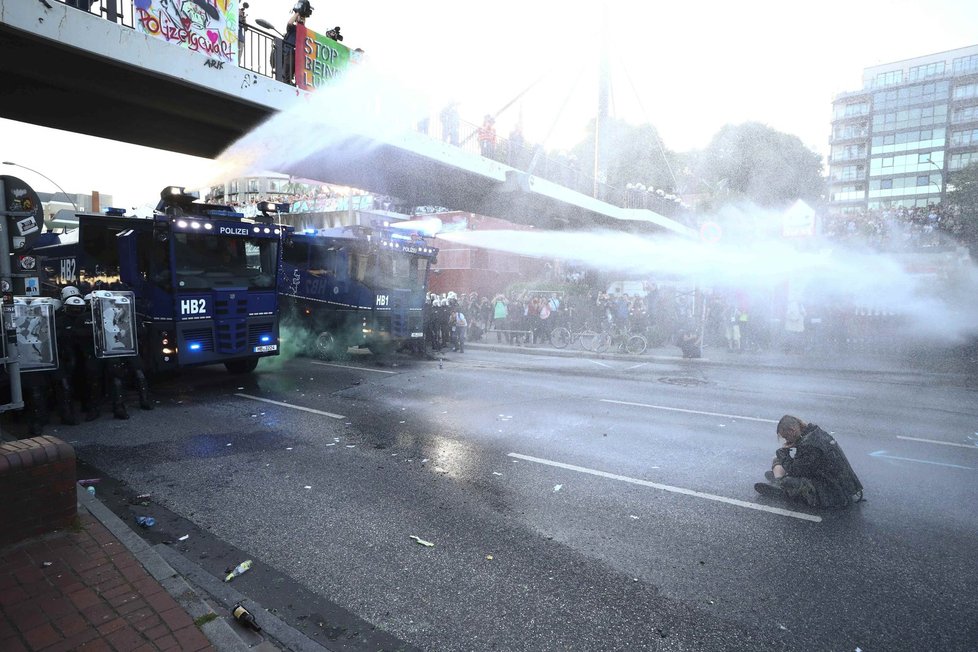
(99, 586)
(932, 363)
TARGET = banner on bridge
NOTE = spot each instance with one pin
(319, 59)
(206, 26)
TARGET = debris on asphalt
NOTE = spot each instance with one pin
(422, 542)
(633, 516)
(241, 388)
(424, 460)
(228, 444)
(331, 444)
(782, 627)
(239, 570)
(307, 487)
(288, 448)
(351, 446)
(438, 469)
(45, 564)
(496, 473)
(558, 487)
(145, 521)
(244, 617)
(184, 537)
(489, 557)
(90, 489)
(402, 421)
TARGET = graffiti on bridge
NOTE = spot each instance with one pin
(206, 26)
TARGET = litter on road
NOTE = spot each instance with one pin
(145, 521)
(422, 542)
(184, 537)
(496, 473)
(239, 570)
(558, 487)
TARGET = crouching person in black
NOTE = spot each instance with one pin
(817, 474)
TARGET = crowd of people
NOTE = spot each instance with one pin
(897, 229)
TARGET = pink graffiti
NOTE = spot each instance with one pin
(163, 26)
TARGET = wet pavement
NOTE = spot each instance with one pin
(574, 502)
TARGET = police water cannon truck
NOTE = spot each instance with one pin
(203, 277)
(355, 286)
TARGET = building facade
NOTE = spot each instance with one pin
(895, 141)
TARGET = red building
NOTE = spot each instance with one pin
(464, 269)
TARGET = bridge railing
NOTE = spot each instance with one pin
(260, 52)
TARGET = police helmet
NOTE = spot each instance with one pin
(69, 291)
(74, 301)
(101, 294)
(87, 297)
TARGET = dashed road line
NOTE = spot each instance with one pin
(677, 490)
(636, 366)
(600, 363)
(674, 409)
(913, 459)
(346, 366)
(289, 405)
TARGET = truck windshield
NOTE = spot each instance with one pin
(204, 261)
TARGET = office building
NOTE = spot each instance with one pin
(896, 141)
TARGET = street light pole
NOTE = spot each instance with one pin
(18, 165)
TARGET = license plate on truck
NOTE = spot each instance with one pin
(266, 348)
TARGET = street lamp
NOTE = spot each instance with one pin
(940, 187)
(18, 165)
(267, 25)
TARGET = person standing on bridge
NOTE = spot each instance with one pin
(487, 137)
(818, 473)
(288, 43)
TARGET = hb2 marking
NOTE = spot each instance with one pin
(67, 270)
(193, 306)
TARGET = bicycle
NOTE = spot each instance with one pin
(562, 337)
(631, 343)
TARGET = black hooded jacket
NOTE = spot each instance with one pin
(819, 458)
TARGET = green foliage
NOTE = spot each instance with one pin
(964, 197)
(755, 162)
(632, 155)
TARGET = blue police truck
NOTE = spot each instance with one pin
(355, 286)
(204, 278)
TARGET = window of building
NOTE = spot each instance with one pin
(963, 138)
(889, 78)
(923, 180)
(963, 65)
(965, 114)
(959, 161)
(923, 158)
(233, 187)
(965, 91)
(925, 71)
(886, 184)
(252, 185)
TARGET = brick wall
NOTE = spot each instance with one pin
(37, 487)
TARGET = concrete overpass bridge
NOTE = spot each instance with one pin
(92, 72)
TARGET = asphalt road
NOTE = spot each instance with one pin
(573, 504)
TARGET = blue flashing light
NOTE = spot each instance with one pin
(195, 346)
(309, 231)
(398, 236)
(266, 339)
(112, 211)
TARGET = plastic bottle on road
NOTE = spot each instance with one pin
(146, 521)
(238, 570)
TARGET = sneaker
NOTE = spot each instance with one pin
(770, 490)
(769, 476)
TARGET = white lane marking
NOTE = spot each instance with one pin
(345, 366)
(912, 459)
(935, 441)
(600, 363)
(677, 490)
(289, 405)
(636, 366)
(672, 409)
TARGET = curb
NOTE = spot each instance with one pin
(744, 363)
(218, 631)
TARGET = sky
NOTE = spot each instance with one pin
(688, 68)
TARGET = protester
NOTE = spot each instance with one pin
(818, 473)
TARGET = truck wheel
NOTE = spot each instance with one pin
(241, 366)
(325, 346)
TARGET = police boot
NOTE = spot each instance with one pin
(62, 389)
(145, 403)
(118, 406)
(34, 407)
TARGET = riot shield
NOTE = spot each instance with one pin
(37, 344)
(114, 323)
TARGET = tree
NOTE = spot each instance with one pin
(755, 162)
(962, 195)
(633, 154)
